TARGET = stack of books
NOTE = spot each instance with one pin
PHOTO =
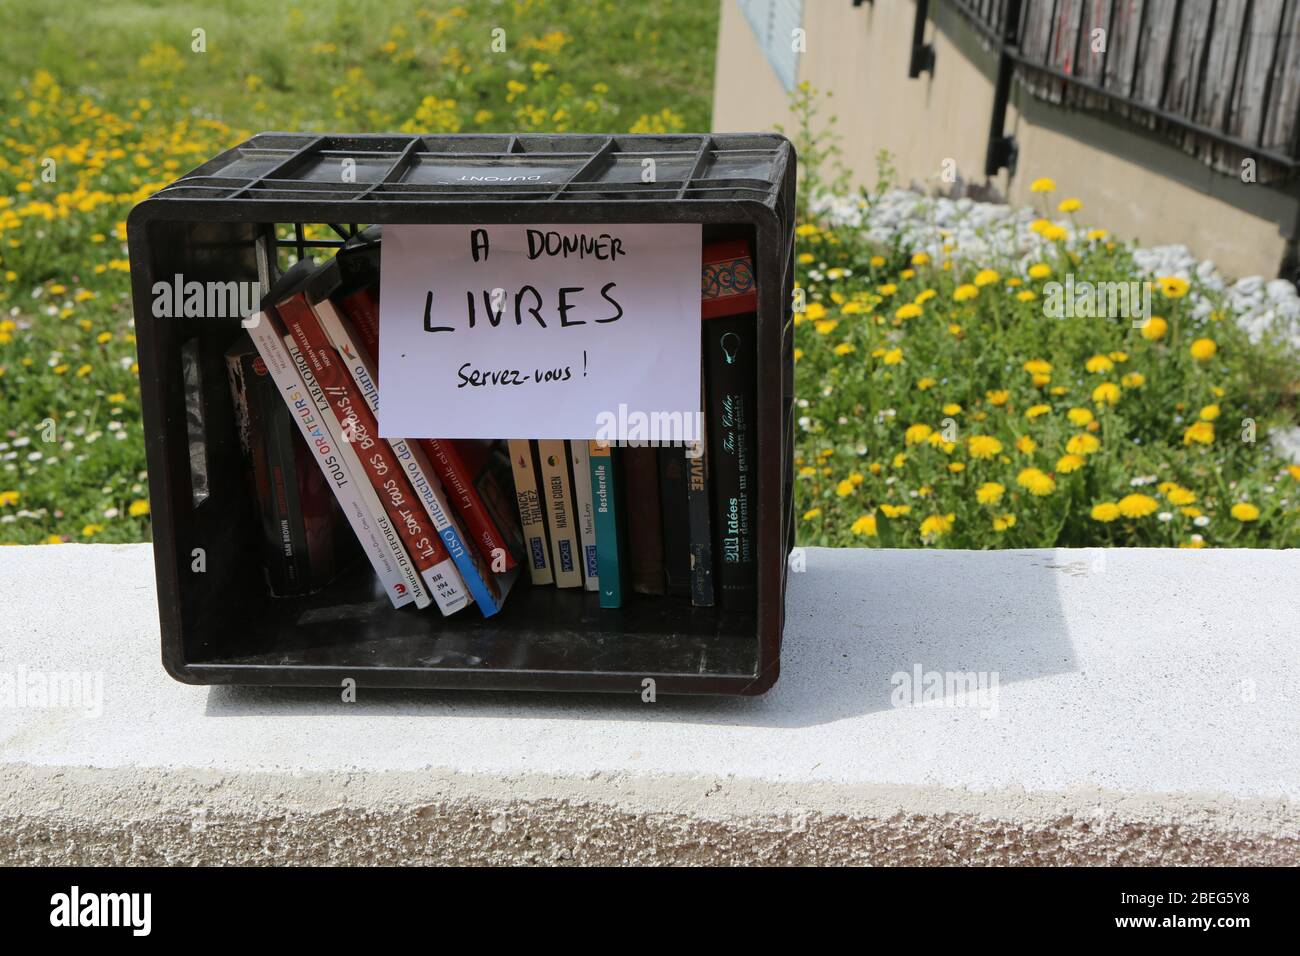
(449, 522)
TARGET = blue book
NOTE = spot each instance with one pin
(604, 495)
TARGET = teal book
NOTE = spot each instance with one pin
(609, 524)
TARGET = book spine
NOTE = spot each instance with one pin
(385, 473)
(731, 355)
(459, 482)
(586, 513)
(283, 476)
(362, 310)
(672, 513)
(609, 524)
(265, 438)
(412, 578)
(700, 530)
(332, 461)
(557, 494)
(465, 579)
(531, 520)
(645, 546)
(487, 589)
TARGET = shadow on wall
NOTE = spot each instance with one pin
(856, 633)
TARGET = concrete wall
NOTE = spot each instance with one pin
(1136, 706)
(1135, 186)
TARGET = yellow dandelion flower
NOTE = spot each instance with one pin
(1037, 411)
(989, 493)
(1043, 184)
(1003, 522)
(997, 396)
(1137, 506)
(1155, 329)
(1079, 416)
(1099, 363)
(985, 447)
(1105, 511)
(1026, 445)
(1040, 270)
(937, 525)
(916, 434)
(866, 525)
(1068, 463)
(1107, 393)
(1199, 433)
(1209, 413)
(1036, 481)
(965, 292)
(1203, 349)
(1082, 444)
(1244, 511)
(137, 508)
(1173, 287)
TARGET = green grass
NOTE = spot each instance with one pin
(114, 101)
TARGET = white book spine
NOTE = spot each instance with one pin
(444, 578)
(338, 471)
(369, 496)
(557, 494)
(586, 512)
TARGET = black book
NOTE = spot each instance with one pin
(730, 359)
(676, 522)
(645, 546)
(301, 544)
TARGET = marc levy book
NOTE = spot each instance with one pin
(586, 512)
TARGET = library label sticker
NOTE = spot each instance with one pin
(546, 331)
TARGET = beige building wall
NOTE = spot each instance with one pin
(861, 54)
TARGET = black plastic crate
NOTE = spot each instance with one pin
(219, 626)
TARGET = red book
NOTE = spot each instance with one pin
(458, 477)
(381, 465)
(362, 309)
(727, 281)
(459, 481)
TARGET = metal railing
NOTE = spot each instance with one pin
(1219, 78)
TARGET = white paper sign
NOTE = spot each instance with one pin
(547, 331)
